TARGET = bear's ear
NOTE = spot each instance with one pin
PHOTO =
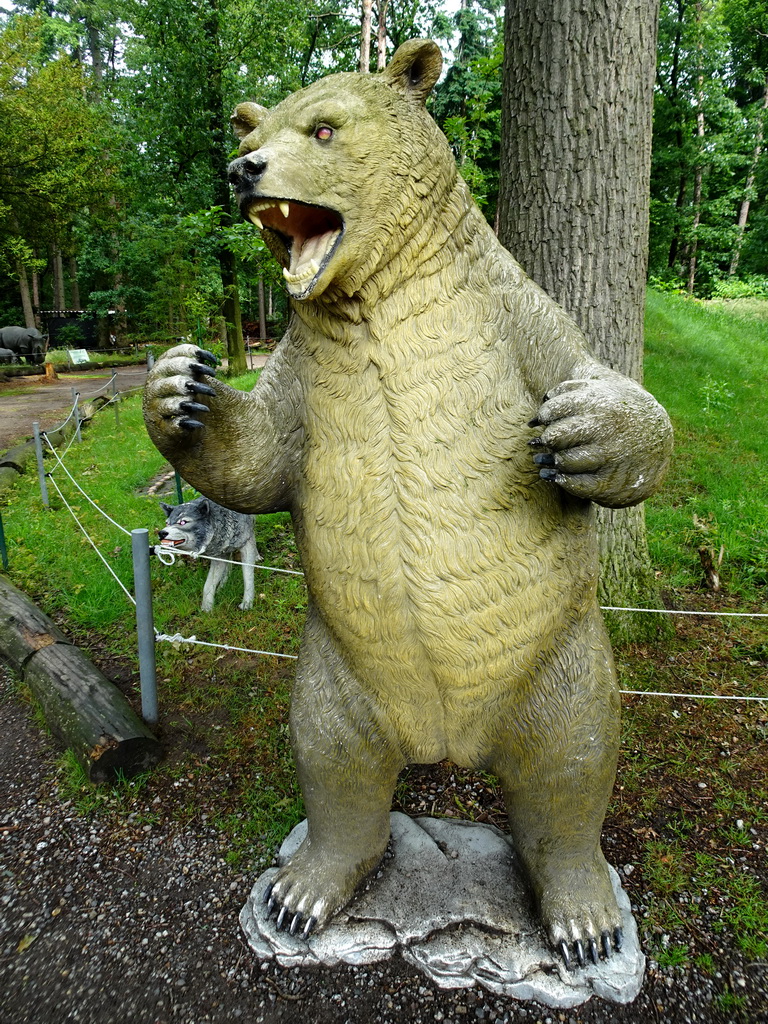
(414, 69)
(246, 117)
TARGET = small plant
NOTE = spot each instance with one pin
(716, 394)
(732, 1007)
(676, 955)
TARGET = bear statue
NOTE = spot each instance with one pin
(439, 432)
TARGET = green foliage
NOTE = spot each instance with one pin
(710, 120)
(52, 163)
(707, 365)
(467, 103)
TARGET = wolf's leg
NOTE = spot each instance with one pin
(348, 764)
(217, 574)
(249, 555)
(557, 772)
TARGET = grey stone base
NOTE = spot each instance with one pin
(451, 900)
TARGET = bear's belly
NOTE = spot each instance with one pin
(438, 559)
(440, 589)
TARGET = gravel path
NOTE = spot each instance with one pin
(133, 918)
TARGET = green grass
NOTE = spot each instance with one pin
(709, 368)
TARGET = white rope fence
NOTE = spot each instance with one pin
(168, 557)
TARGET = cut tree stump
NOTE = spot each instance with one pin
(82, 708)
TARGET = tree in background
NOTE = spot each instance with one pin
(52, 163)
(573, 200)
(467, 103)
(708, 193)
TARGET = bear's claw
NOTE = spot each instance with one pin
(609, 943)
(202, 368)
(283, 914)
(196, 388)
(207, 357)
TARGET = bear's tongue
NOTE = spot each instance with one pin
(310, 233)
(307, 257)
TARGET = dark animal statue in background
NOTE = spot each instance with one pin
(439, 431)
(24, 341)
(6, 356)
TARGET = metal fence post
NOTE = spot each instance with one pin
(179, 490)
(114, 399)
(3, 548)
(40, 466)
(145, 625)
(75, 397)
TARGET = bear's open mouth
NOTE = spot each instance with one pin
(310, 235)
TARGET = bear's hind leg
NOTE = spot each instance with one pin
(347, 769)
(557, 775)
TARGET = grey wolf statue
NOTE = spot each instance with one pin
(201, 527)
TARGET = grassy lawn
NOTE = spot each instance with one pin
(689, 813)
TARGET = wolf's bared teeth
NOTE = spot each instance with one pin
(285, 210)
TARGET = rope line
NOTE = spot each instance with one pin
(127, 593)
(87, 497)
(690, 696)
(92, 394)
(168, 557)
(66, 421)
(177, 638)
(675, 611)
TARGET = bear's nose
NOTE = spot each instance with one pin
(246, 170)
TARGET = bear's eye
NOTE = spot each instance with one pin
(323, 133)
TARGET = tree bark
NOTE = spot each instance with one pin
(74, 284)
(262, 312)
(575, 173)
(364, 65)
(217, 153)
(59, 297)
(381, 36)
(741, 225)
(26, 298)
(80, 705)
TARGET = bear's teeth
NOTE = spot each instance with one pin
(255, 219)
(309, 272)
(285, 210)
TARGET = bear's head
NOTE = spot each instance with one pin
(343, 174)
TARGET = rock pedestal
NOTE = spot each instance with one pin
(451, 899)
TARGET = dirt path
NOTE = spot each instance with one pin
(25, 400)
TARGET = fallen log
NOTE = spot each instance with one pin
(82, 708)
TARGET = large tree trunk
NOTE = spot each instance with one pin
(59, 297)
(575, 171)
(381, 36)
(74, 283)
(741, 225)
(218, 147)
(364, 64)
(26, 298)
